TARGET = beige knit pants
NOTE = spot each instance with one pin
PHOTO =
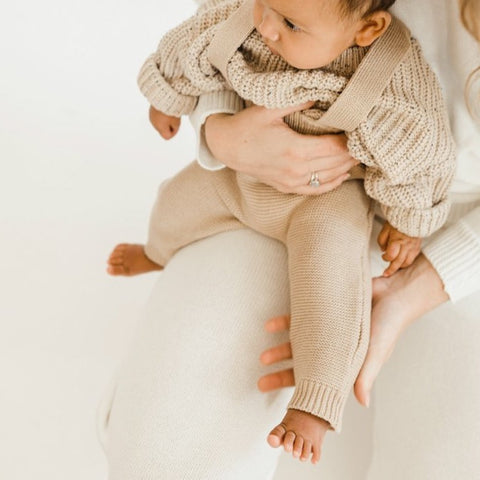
(327, 241)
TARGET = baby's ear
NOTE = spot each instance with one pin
(374, 26)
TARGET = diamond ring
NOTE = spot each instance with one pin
(314, 180)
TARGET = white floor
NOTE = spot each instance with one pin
(80, 165)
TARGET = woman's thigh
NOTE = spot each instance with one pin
(186, 405)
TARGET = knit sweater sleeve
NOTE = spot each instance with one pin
(178, 72)
(455, 255)
(408, 149)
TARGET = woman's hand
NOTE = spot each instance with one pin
(283, 378)
(397, 301)
(256, 141)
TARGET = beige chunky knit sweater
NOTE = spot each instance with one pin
(404, 141)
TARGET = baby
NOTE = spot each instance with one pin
(368, 79)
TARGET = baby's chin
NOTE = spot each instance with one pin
(293, 62)
(305, 65)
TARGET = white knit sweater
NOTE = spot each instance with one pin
(453, 54)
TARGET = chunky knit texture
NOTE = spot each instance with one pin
(405, 142)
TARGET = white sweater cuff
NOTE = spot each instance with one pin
(208, 104)
(455, 254)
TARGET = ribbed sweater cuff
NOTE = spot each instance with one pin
(160, 94)
(320, 400)
(418, 222)
(224, 101)
(455, 255)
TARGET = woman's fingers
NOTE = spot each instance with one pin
(322, 188)
(276, 380)
(330, 168)
(280, 113)
(276, 354)
(278, 324)
(310, 147)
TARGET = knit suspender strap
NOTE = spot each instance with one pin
(230, 35)
(362, 91)
(370, 79)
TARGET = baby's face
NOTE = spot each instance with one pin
(305, 33)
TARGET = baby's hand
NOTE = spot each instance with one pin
(399, 249)
(165, 125)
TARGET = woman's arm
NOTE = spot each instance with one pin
(455, 255)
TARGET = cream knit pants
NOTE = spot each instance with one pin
(184, 403)
(327, 241)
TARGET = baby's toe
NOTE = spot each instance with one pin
(118, 252)
(276, 436)
(317, 453)
(298, 446)
(116, 270)
(307, 450)
(116, 259)
(289, 440)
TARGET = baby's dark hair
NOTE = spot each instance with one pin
(364, 7)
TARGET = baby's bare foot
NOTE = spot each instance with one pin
(300, 433)
(129, 259)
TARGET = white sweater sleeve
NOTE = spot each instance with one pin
(208, 104)
(455, 255)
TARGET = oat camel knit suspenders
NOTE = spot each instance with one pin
(362, 91)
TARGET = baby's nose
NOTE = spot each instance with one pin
(267, 27)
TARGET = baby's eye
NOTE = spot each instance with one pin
(291, 26)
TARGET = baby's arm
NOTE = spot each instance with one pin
(179, 71)
(399, 249)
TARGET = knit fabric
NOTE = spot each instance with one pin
(455, 254)
(329, 279)
(405, 142)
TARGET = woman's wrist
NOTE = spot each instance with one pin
(215, 129)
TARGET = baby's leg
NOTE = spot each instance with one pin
(327, 244)
(187, 209)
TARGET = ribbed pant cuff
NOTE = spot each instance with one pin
(152, 253)
(319, 400)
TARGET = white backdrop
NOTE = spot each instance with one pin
(80, 167)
